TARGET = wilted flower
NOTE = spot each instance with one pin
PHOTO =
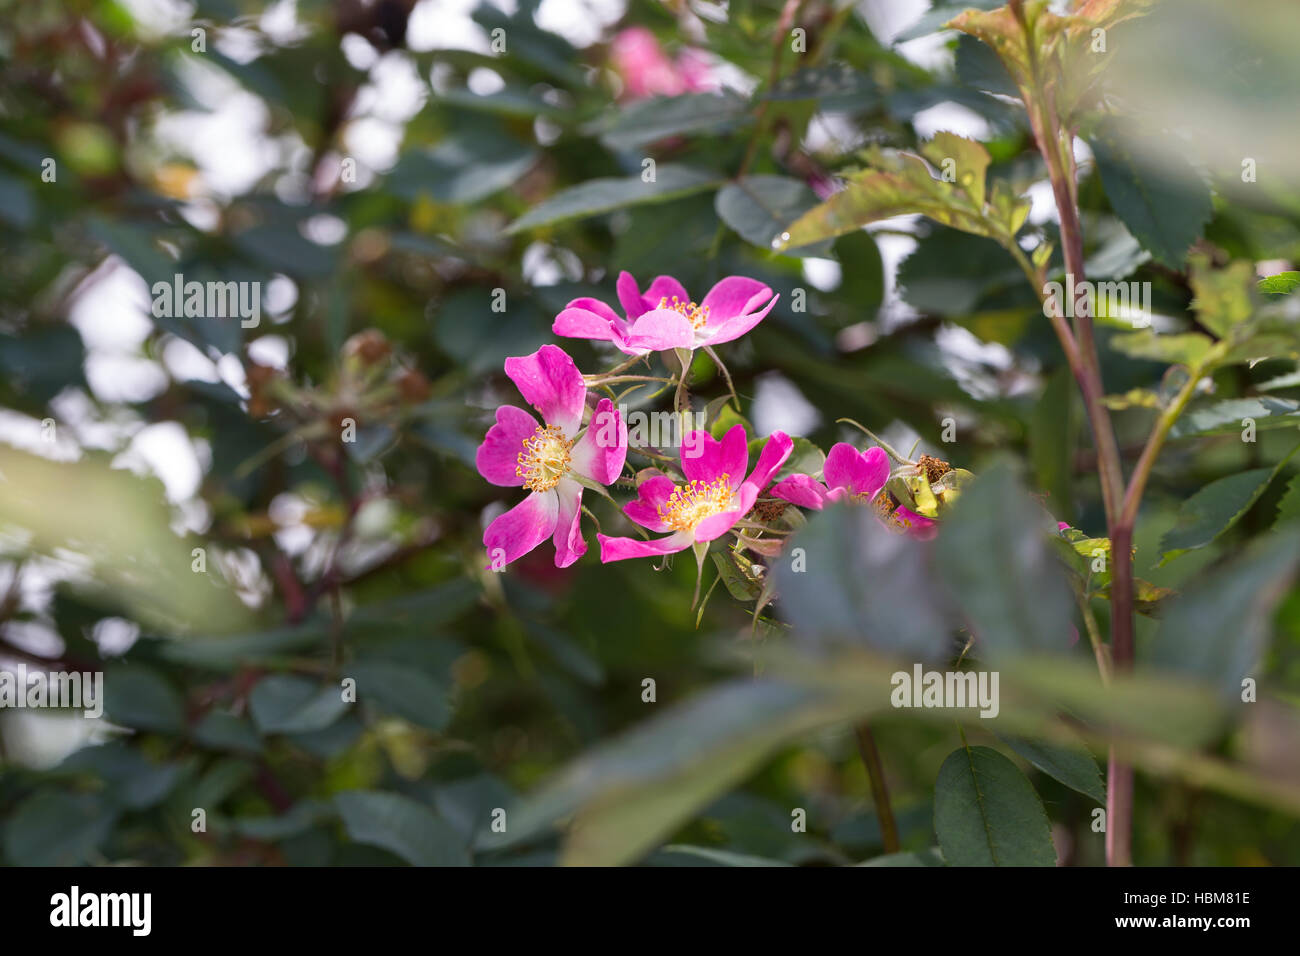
(549, 459)
(715, 497)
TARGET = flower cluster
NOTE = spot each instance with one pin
(582, 442)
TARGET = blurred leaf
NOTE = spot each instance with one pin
(470, 165)
(54, 828)
(846, 579)
(930, 857)
(1229, 416)
(403, 691)
(1165, 207)
(1187, 348)
(993, 553)
(1053, 435)
(401, 826)
(1217, 630)
(1281, 283)
(1216, 508)
(659, 117)
(722, 857)
(138, 696)
(986, 813)
(1222, 295)
(597, 196)
(760, 207)
(288, 704)
(835, 86)
(133, 780)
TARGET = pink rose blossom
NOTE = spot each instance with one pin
(665, 317)
(716, 497)
(548, 459)
(855, 476)
(640, 61)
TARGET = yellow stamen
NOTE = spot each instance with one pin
(545, 458)
(688, 505)
(698, 315)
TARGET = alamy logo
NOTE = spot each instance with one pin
(953, 689)
(1117, 300)
(208, 300)
(134, 910)
(42, 688)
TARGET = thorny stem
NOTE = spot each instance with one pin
(1055, 145)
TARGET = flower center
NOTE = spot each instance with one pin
(545, 458)
(697, 314)
(688, 505)
(887, 512)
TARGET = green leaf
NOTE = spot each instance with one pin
(833, 85)
(760, 207)
(401, 826)
(138, 696)
(986, 813)
(1165, 208)
(733, 579)
(1053, 434)
(1074, 767)
(466, 167)
(1281, 283)
(55, 828)
(402, 690)
(1186, 348)
(1214, 509)
(901, 183)
(1288, 509)
(1229, 416)
(1222, 295)
(288, 704)
(1217, 629)
(597, 196)
(993, 553)
(651, 120)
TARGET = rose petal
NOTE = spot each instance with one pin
(552, 384)
(569, 546)
(862, 473)
(498, 457)
(665, 287)
(575, 323)
(620, 549)
(775, 451)
(917, 526)
(660, 330)
(802, 490)
(652, 495)
(521, 529)
(732, 296)
(706, 459)
(731, 329)
(602, 449)
(600, 308)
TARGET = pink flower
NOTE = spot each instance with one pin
(547, 459)
(716, 497)
(855, 476)
(665, 317)
(646, 70)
